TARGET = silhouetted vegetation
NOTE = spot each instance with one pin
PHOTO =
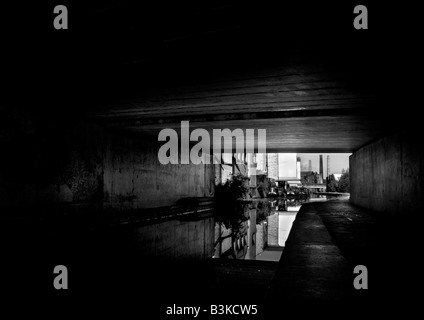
(263, 210)
(231, 211)
(341, 185)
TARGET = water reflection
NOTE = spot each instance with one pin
(262, 231)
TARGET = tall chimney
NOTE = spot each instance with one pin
(328, 165)
(321, 166)
(310, 166)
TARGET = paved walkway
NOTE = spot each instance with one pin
(326, 242)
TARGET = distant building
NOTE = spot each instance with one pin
(273, 165)
(289, 168)
(307, 177)
(284, 167)
(311, 178)
(261, 163)
(298, 170)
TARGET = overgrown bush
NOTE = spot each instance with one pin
(343, 185)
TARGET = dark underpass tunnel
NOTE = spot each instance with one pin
(158, 158)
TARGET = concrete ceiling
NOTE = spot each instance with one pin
(307, 107)
(298, 70)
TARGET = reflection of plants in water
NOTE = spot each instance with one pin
(263, 210)
(230, 210)
(290, 200)
(295, 202)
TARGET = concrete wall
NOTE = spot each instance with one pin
(134, 178)
(45, 163)
(387, 175)
(78, 166)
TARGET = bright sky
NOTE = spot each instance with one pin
(338, 161)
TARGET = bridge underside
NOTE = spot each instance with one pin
(298, 70)
(307, 102)
(304, 108)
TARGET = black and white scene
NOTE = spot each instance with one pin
(211, 159)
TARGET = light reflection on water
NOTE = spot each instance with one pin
(262, 235)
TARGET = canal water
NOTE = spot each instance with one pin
(262, 234)
(179, 258)
(259, 232)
